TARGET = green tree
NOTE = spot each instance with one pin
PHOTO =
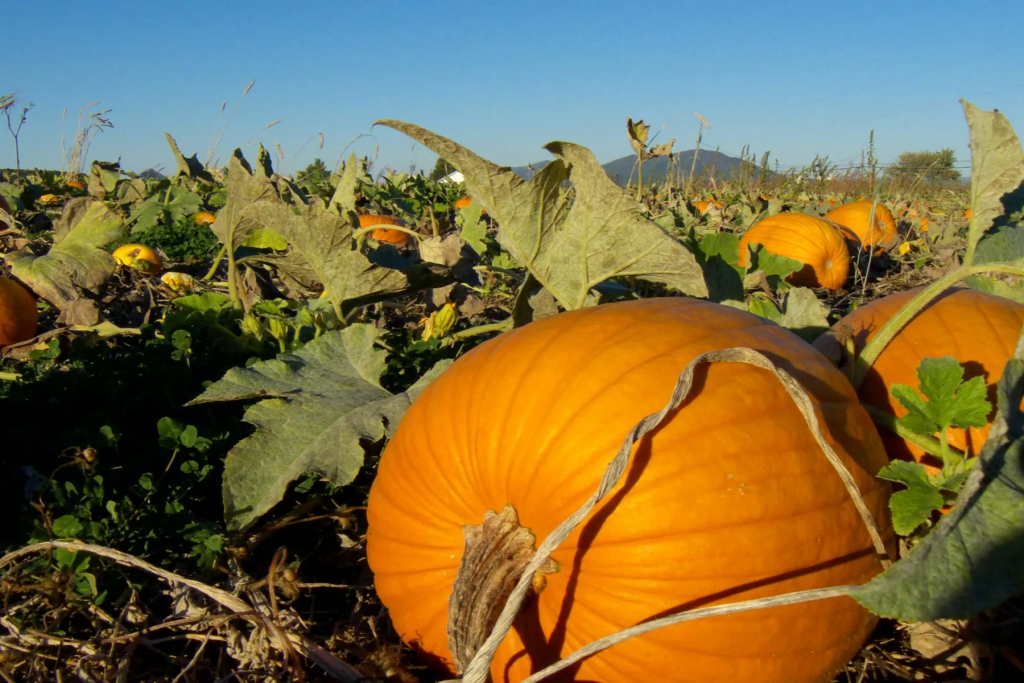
(316, 172)
(929, 166)
(441, 169)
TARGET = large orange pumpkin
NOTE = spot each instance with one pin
(808, 239)
(856, 217)
(730, 500)
(18, 313)
(979, 330)
(391, 236)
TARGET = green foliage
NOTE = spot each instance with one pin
(948, 402)
(182, 241)
(316, 409)
(970, 562)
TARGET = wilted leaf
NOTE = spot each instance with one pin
(997, 172)
(244, 190)
(804, 314)
(189, 167)
(325, 239)
(446, 250)
(990, 285)
(344, 197)
(971, 559)
(637, 134)
(569, 250)
(316, 406)
(75, 262)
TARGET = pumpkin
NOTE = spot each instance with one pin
(855, 216)
(979, 330)
(75, 184)
(463, 203)
(140, 257)
(967, 213)
(391, 236)
(808, 239)
(730, 499)
(18, 313)
(204, 218)
(49, 199)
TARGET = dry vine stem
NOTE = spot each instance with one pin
(287, 642)
(478, 669)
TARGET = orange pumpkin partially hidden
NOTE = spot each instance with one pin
(388, 235)
(979, 330)
(18, 313)
(729, 500)
(808, 239)
(857, 217)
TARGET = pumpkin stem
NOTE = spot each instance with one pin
(495, 557)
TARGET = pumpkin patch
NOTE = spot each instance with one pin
(678, 420)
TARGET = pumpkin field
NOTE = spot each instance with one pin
(337, 426)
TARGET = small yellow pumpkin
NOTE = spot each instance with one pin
(139, 257)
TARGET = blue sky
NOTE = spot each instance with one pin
(796, 78)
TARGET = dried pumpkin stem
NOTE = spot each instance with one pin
(478, 670)
(496, 554)
(873, 349)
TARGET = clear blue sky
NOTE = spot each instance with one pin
(796, 78)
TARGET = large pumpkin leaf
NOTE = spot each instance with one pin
(997, 178)
(189, 167)
(971, 561)
(316, 406)
(245, 189)
(76, 261)
(325, 239)
(569, 249)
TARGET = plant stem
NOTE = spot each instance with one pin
(929, 444)
(216, 263)
(9, 376)
(483, 329)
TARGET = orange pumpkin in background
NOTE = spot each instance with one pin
(808, 239)
(388, 235)
(729, 500)
(857, 217)
(979, 330)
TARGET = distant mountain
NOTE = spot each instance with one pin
(656, 170)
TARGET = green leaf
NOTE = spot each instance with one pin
(173, 202)
(775, 268)
(724, 244)
(971, 561)
(912, 506)
(761, 305)
(951, 402)
(76, 261)
(997, 175)
(67, 526)
(473, 230)
(265, 238)
(804, 314)
(569, 249)
(189, 436)
(314, 409)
